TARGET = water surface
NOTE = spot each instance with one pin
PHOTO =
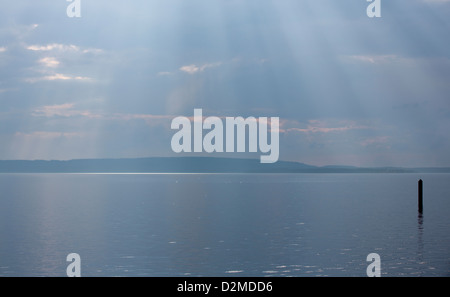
(223, 224)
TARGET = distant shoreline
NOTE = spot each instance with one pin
(191, 165)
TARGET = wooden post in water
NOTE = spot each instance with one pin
(420, 196)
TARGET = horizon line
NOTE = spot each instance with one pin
(213, 157)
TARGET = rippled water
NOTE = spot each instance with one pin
(223, 224)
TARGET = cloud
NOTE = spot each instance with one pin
(68, 110)
(62, 48)
(53, 46)
(49, 62)
(56, 77)
(58, 52)
(193, 69)
(62, 110)
(316, 126)
(375, 141)
(128, 116)
(164, 73)
(50, 72)
(54, 110)
(47, 135)
(372, 59)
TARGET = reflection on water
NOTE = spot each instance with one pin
(223, 224)
(420, 244)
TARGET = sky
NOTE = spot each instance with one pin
(348, 89)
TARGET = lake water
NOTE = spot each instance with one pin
(223, 224)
